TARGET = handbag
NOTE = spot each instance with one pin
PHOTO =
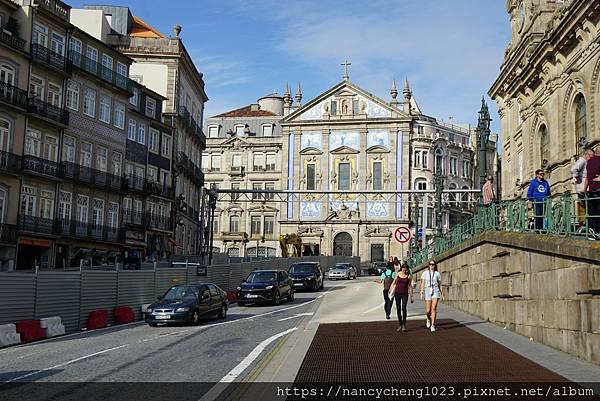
(392, 289)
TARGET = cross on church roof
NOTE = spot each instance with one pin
(346, 64)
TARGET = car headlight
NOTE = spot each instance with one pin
(269, 287)
(239, 288)
(148, 310)
(184, 309)
(310, 278)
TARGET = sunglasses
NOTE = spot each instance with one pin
(432, 264)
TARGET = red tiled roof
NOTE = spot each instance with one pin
(142, 29)
(247, 112)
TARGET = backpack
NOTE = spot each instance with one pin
(388, 280)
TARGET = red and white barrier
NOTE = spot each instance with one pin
(9, 335)
(52, 326)
(30, 330)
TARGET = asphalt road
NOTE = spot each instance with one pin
(139, 353)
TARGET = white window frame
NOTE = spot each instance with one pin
(73, 90)
(54, 94)
(39, 29)
(107, 66)
(267, 129)
(119, 118)
(166, 146)
(153, 140)
(132, 130)
(104, 109)
(50, 151)
(89, 102)
(150, 107)
(141, 136)
(54, 43)
(68, 149)
(101, 159)
(213, 131)
(33, 143)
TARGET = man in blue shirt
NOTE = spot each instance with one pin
(538, 191)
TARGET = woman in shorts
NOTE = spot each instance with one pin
(432, 292)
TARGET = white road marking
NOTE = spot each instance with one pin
(60, 365)
(374, 308)
(235, 372)
(295, 316)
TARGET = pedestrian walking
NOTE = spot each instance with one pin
(593, 193)
(538, 192)
(579, 173)
(387, 279)
(403, 289)
(489, 194)
(396, 265)
(432, 291)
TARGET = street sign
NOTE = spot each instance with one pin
(402, 235)
(420, 232)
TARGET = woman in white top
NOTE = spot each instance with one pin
(432, 291)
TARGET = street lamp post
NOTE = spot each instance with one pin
(483, 137)
(439, 188)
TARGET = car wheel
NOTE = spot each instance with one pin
(241, 303)
(276, 298)
(291, 296)
(223, 312)
(195, 318)
(152, 324)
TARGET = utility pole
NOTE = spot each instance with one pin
(483, 137)
(414, 246)
(439, 187)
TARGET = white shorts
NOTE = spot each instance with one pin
(432, 294)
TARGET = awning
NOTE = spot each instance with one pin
(35, 242)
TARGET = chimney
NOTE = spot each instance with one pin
(254, 107)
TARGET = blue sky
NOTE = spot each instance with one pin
(450, 50)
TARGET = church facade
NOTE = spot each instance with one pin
(344, 155)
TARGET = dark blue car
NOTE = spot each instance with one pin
(306, 276)
(188, 304)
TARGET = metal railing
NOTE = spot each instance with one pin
(158, 189)
(100, 71)
(10, 162)
(78, 229)
(194, 173)
(49, 111)
(157, 221)
(135, 183)
(50, 58)
(40, 165)
(565, 215)
(57, 7)
(89, 176)
(36, 224)
(8, 233)
(13, 95)
(12, 40)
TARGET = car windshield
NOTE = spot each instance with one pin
(262, 277)
(302, 268)
(340, 267)
(174, 293)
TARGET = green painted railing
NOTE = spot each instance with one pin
(566, 215)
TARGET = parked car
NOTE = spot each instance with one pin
(342, 271)
(266, 286)
(306, 276)
(378, 268)
(188, 304)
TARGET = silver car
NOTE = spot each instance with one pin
(344, 271)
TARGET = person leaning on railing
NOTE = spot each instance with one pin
(579, 173)
(593, 193)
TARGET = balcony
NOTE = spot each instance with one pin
(89, 176)
(36, 225)
(134, 217)
(234, 236)
(96, 69)
(8, 234)
(41, 166)
(190, 169)
(78, 229)
(156, 221)
(135, 183)
(158, 189)
(13, 95)
(48, 111)
(10, 163)
(50, 58)
(12, 40)
(56, 7)
(237, 171)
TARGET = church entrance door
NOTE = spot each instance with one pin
(342, 245)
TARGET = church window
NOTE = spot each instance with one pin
(439, 160)
(453, 165)
(344, 176)
(333, 108)
(310, 177)
(544, 145)
(377, 176)
(580, 120)
(355, 109)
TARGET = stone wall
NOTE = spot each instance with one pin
(545, 288)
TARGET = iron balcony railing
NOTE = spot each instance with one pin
(8, 233)
(92, 231)
(157, 221)
(565, 215)
(158, 189)
(89, 176)
(190, 169)
(56, 7)
(131, 216)
(12, 95)
(41, 166)
(49, 111)
(135, 183)
(100, 71)
(50, 58)
(12, 40)
(10, 162)
(36, 225)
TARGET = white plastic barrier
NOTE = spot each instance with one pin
(9, 335)
(53, 326)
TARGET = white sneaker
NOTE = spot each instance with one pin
(427, 323)
(432, 328)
